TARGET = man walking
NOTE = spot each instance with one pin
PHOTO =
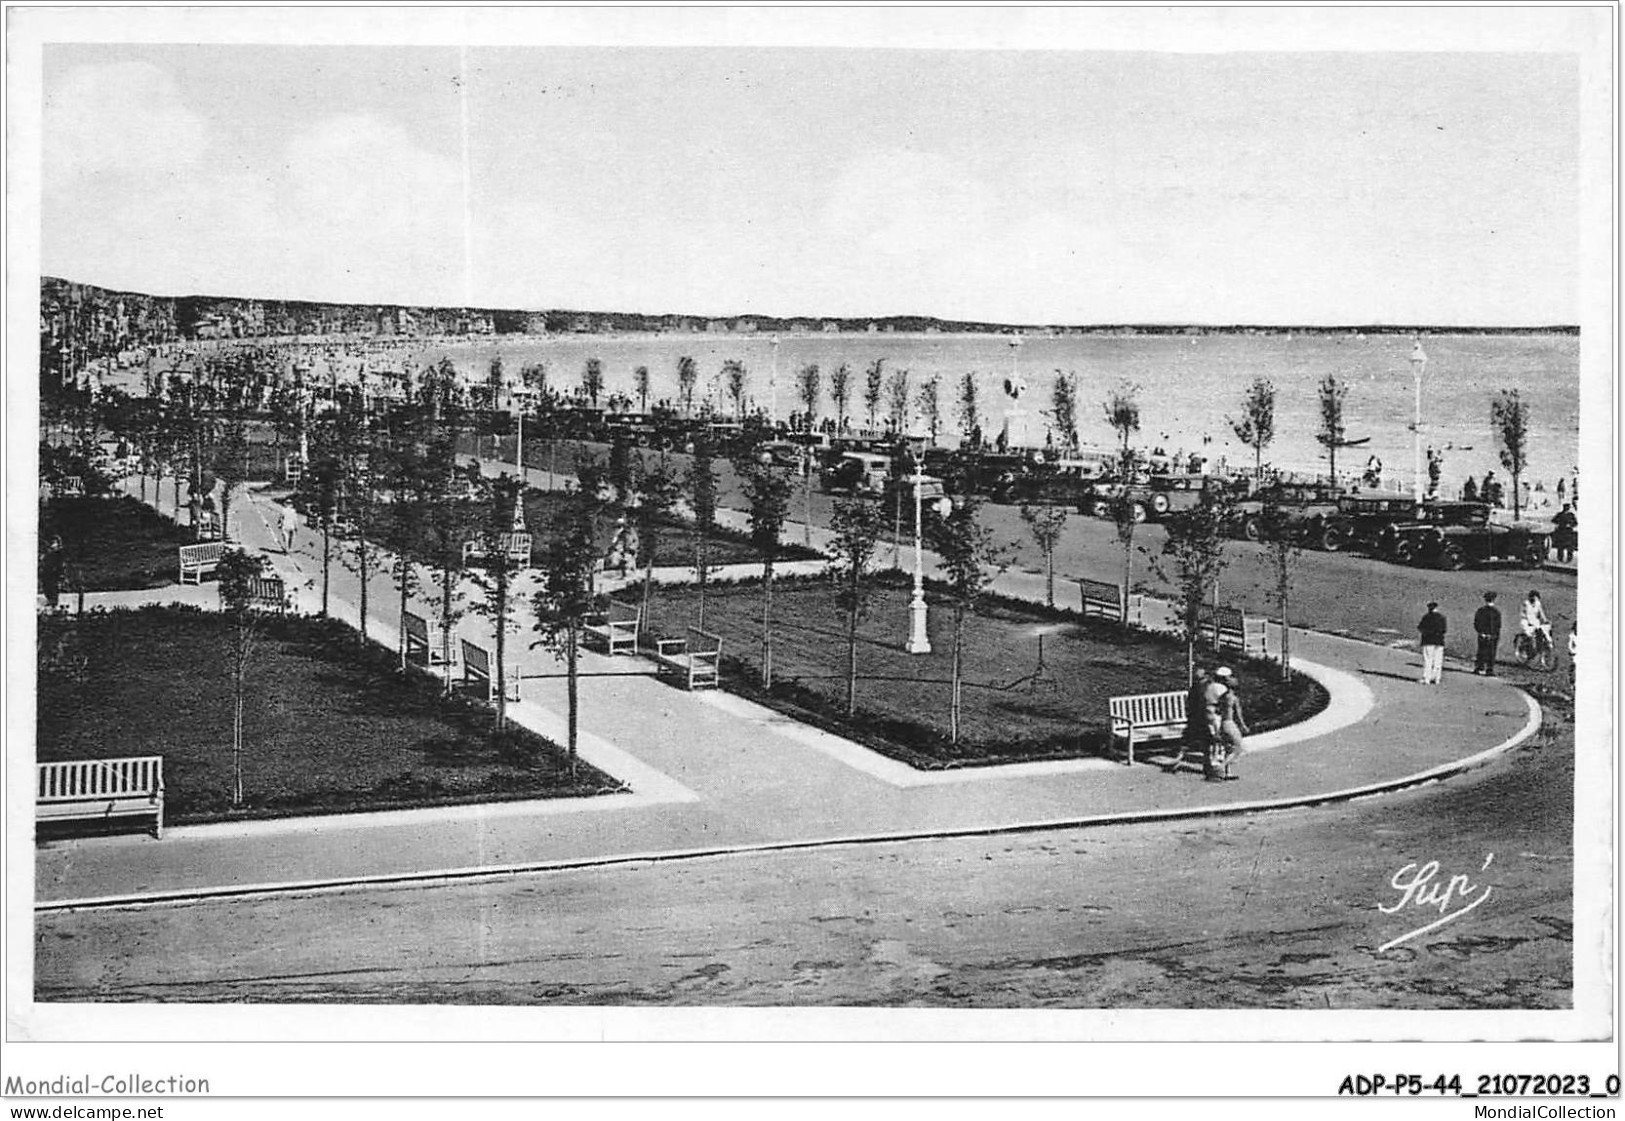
(1432, 628)
(1565, 527)
(1487, 624)
(290, 528)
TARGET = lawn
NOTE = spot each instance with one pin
(113, 544)
(902, 699)
(329, 726)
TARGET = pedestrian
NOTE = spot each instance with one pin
(290, 528)
(51, 567)
(1574, 650)
(1487, 625)
(1213, 694)
(1232, 724)
(1196, 737)
(1432, 628)
(1565, 526)
(1469, 490)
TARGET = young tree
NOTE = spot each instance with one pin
(592, 380)
(1435, 472)
(970, 561)
(1282, 547)
(640, 383)
(360, 470)
(450, 518)
(736, 379)
(808, 385)
(856, 527)
(873, 383)
(1123, 414)
(494, 382)
(1256, 428)
(1510, 418)
(1064, 410)
(930, 405)
(840, 392)
(1332, 393)
(230, 466)
(496, 579)
(319, 488)
(687, 374)
(1046, 524)
(1194, 557)
(658, 492)
(970, 407)
(702, 495)
(238, 571)
(620, 472)
(897, 401)
(768, 495)
(566, 599)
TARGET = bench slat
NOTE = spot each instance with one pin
(98, 788)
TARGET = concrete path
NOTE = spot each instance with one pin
(711, 772)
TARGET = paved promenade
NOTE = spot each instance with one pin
(711, 772)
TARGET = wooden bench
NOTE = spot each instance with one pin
(514, 546)
(198, 561)
(425, 642)
(97, 789)
(1146, 717)
(1227, 626)
(267, 593)
(1105, 601)
(617, 627)
(71, 487)
(695, 659)
(293, 471)
(478, 678)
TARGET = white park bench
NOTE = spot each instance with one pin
(1147, 717)
(198, 561)
(425, 642)
(1228, 627)
(1105, 601)
(267, 593)
(97, 789)
(478, 678)
(695, 659)
(73, 486)
(514, 546)
(616, 627)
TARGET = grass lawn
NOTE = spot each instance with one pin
(329, 726)
(902, 699)
(113, 543)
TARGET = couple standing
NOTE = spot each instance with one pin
(1214, 720)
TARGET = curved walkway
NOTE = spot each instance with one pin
(713, 773)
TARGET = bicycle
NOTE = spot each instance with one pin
(1535, 651)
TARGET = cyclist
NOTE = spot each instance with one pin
(1537, 629)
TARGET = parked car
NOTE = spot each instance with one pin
(1404, 542)
(1360, 521)
(1301, 510)
(1463, 533)
(861, 473)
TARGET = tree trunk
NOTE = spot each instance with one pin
(702, 564)
(1286, 629)
(806, 490)
(767, 625)
(327, 562)
(237, 736)
(852, 660)
(1128, 572)
(648, 582)
(953, 696)
(445, 620)
(502, 645)
(406, 580)
(361, 563)
(572, 677)
(1049, 577)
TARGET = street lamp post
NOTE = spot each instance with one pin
(918, 641)
(1419, 361)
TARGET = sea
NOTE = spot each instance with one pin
(1188, 387)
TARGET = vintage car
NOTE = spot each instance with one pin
(1457, 534)
(862, 473)
(1360, 521)
(1299, 510)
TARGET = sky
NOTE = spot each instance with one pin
(1031, 186)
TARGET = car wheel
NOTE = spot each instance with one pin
(1453, 557)
(1535, 555)
(1333, 539)
(1138, 510)
(1404, 551)
(1250, 530)
(1159, 503)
